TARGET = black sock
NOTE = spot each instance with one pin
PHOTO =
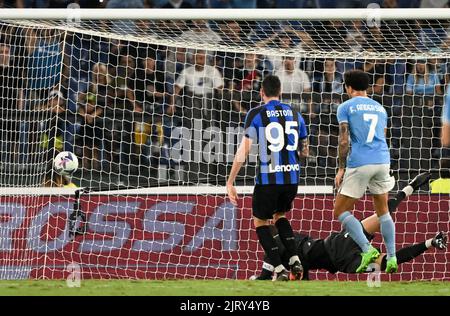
(269, 245)
(394, 202)
(407, 254)
(286, 235)
(265, 275)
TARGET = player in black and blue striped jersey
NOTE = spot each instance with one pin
(281, 135)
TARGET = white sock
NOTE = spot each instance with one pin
(293, 259)
(279, 268)
(268, 266)
(408, 190)
(428, 243)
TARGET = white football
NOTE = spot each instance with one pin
(65, 163)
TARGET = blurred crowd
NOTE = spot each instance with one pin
(116, 103)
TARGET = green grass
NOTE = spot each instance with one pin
(220, 288)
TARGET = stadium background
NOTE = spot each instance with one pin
(414, 132)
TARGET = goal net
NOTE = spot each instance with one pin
(153, 106)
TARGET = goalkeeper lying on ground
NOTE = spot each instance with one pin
(339, 253)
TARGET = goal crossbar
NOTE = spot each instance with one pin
(225, 14)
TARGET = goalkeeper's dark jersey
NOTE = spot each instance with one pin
(342, 249)
(338, 252)
(311, 252)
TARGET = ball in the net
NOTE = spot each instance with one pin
(65, 163)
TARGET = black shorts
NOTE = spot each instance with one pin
(272, 198)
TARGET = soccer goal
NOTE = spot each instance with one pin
(152, 102)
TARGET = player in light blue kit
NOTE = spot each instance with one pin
(364, 121)
(445, 132)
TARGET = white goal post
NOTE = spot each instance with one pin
(227, 14)
(154, 100)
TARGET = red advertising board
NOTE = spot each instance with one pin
(183, 236)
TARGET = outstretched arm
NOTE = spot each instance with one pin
(343, 149)
(239, 159)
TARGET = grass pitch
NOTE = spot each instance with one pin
(220, 288)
